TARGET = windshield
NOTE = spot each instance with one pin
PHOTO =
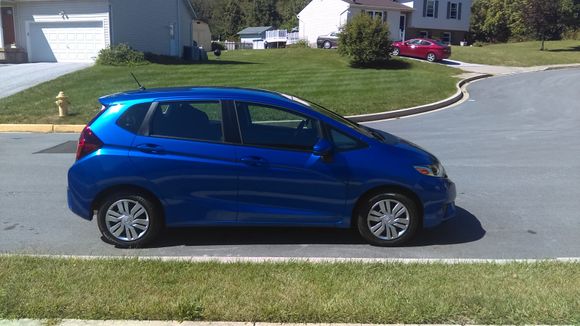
(335, 116)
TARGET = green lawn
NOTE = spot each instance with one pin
(517, 293)
(524, 54)
(319, 75)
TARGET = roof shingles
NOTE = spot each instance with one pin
(383, 4)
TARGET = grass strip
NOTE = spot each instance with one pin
(319, 75)
(517, 293)
(522, 54)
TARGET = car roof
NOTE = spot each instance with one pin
(201, 92)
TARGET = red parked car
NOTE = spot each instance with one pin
(429, 49)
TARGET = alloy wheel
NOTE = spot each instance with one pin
(388, 219)
(127, 220)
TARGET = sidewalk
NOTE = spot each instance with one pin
(502, 70)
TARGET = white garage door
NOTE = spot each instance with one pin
(65, 41)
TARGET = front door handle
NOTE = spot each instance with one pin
(253, 161)
(151, 149)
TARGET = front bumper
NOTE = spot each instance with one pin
(441, 206)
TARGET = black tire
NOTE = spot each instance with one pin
(412, 220)
(151, 209)
(431, 57)
(396, 51)
(327, 45)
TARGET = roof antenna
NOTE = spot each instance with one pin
(138, 83)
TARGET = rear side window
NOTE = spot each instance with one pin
(188, 120)
(133, 117)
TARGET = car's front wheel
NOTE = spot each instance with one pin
(388, 219)
(129, 220)
(327, 45)
(396, 51)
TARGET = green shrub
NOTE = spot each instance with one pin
(301, 44)
(217, 46)
(120, 55)
(365, 41)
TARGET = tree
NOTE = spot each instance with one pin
(545, 19)
(365, 41)
(233, 18)
(261, 13)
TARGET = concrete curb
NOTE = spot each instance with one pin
(77, 322)
(458, 96)
(311, 260)
(41, 128)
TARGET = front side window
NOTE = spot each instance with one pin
(188, 120)
(342, 141)
(262, 125)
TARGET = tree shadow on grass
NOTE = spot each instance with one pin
(464, 228)
(392, 64)
(569, 49)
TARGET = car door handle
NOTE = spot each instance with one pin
(151, 149)
(253, 160)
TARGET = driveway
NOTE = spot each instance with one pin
(512, 150)
(16, 78)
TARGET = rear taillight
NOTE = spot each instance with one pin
(88, 143)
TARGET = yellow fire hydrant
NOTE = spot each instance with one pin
(63, 104)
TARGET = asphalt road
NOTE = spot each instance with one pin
(513, 150)
(16, 78)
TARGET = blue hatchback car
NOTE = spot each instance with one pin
(208, 156)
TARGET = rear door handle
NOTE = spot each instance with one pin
(151, 149)
(253, 161)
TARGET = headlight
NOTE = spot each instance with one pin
(433, 170)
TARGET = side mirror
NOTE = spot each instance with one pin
(323, 148)
(407, 43)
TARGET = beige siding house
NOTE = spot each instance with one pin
(439, 19)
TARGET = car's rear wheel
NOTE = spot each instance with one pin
(129, 220)
(396, 51)
(327, 45)
(388, 219)
(431, 57)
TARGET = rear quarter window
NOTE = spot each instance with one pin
(133, 117)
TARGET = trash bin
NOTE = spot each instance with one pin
(187, 53)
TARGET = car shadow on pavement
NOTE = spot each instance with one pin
(449, 63)
(464, 228)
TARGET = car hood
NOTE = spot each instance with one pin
(414, 151)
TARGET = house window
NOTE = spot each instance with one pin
(376, 15)
(453, 11)
(424, 34)
(430, 8)
(446, 38)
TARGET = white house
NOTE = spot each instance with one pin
(255, 36)
(75, 30)
(440, 19)
(321, 17)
